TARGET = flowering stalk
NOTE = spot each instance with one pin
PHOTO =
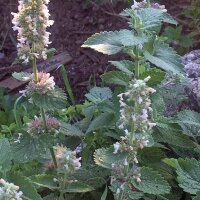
(68, 164)
(136, 123)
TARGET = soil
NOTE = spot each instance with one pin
(73, 25)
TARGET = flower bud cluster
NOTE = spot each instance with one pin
(135, 108)
(31, 22)
(66, 159)
(9, 191)
(44, 84)
(144, 4)
(36, 126)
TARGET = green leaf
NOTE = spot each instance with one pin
(151, 182)
(98, 95)
(25, 186)
(171, 162)
(31, 148)
(104, 195)
(113, 42)
(71, 130)
(150, 18)
(102, 121)
(128, 193)
(44, 180)
(151, 156)
(165, 58)
(54, 100)
(197, 197)
(22, 76)
(156, 75)
(126, 66)
(167, 133)
(189, 122)
(105, 157)
(5, 155)
(188, 172)
(116, 77)
(79, 187)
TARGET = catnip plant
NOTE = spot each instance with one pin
(120, 138)
(141, 42)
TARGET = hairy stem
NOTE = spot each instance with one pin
(44, 119)
(53, 157)
(35, 70)
(137, 66)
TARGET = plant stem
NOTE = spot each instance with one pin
(35, 70)
(53, 157)
(44, 119)
(67, 84)
(137, 67)
(148, 3)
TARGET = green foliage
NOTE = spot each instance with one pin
(5, 156)
(165, 58)
(71, 130)
(116, 77)
(105, 157)
(189, 122)
(28, 189)
(99, 95)
(54, 100)
(113, 42)
(174, 36)
(32, 148)
(188, 175)
(152, 182)
(125, 66)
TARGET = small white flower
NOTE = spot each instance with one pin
(117, 146)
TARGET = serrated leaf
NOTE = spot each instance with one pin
(157, 76)
(98, 95)
(102, 121)
(54, 100)
(44, 180)
(25, 186)
(189, 122)
(165, 58)
(151, 182)
(126, 66)
(189, 175)
(94, 176)
(31, 148)
(22, 76)
(128, 193)
(150, 17)
(151, 156)
(71, 130)
(116, 77)
(168, 134)
(105, 157)
(113, 42)
(5, 155)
